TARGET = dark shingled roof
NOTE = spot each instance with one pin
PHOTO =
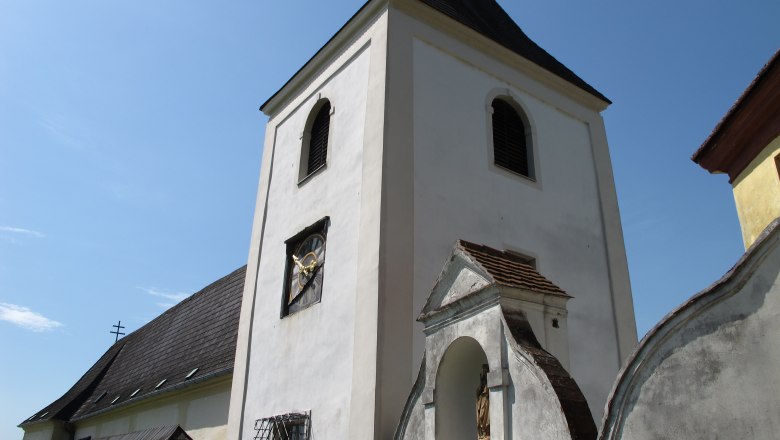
(489, 19)
(575, 407)
(751, 123)
(199, 332)
(509, 269)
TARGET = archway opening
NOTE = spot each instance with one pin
(459, 381)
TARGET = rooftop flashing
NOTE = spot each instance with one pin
(486, 17)
(747, 127)
(191, 373)
(322, 49)
(120, 368)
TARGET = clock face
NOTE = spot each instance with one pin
(305, 279)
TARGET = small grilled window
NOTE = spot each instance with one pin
(318, 139)
(510, 149)
(293, 426)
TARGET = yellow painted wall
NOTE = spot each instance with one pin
(202, 412)
(757, 193)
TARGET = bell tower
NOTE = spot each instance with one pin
(421, 122)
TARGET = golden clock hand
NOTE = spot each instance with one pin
(298, 263)
(306, 286)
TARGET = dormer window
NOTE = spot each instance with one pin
(511, 139)
(314, 151)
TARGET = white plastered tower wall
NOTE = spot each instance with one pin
(442, 78)
(408, 84)
(322, 359)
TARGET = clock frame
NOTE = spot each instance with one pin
(304, 268)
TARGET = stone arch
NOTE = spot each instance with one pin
(457, 382)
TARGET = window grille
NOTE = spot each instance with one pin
(292, 426)
(509, 139)
(318, 142)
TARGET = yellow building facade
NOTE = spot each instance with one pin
(757, 192)
(746, 146)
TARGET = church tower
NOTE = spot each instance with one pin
(420, 123)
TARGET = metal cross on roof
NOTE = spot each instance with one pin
(118, 326)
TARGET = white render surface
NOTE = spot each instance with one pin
(304, 361)
(461, 337)
(526, 399)
(46, 431)
(459, 193)
(408, 173)
(709, 369)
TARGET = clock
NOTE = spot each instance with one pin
(307, 259)
(305, 267)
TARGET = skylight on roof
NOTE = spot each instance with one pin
(160, 384)
(115, 399)
(100, 397)
(44, 414)
(191, 373)
(33, 416)
(135, 392)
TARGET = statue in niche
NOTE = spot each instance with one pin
(483, 407)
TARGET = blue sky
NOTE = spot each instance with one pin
(130, 146)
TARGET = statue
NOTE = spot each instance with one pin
(483, 407)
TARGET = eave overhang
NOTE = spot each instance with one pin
(747, 128)
(564, 78)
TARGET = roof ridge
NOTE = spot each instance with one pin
(502, 29)
(169, 311)
(82, 390)
(204, 325)
(523, 46)
(707, 145)
(509, 269)
(515, 258)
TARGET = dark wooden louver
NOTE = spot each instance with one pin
(318, 142)
(509, 145)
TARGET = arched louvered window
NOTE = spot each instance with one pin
(316, 153)
(510, 143)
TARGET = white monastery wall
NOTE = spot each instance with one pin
(304, 361)
(202, 413)
(709, 369)
(557, 219)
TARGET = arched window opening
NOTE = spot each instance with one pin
(462, 408)
(314, 154)
(510, 139)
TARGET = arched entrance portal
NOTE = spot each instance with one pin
(457, 384)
